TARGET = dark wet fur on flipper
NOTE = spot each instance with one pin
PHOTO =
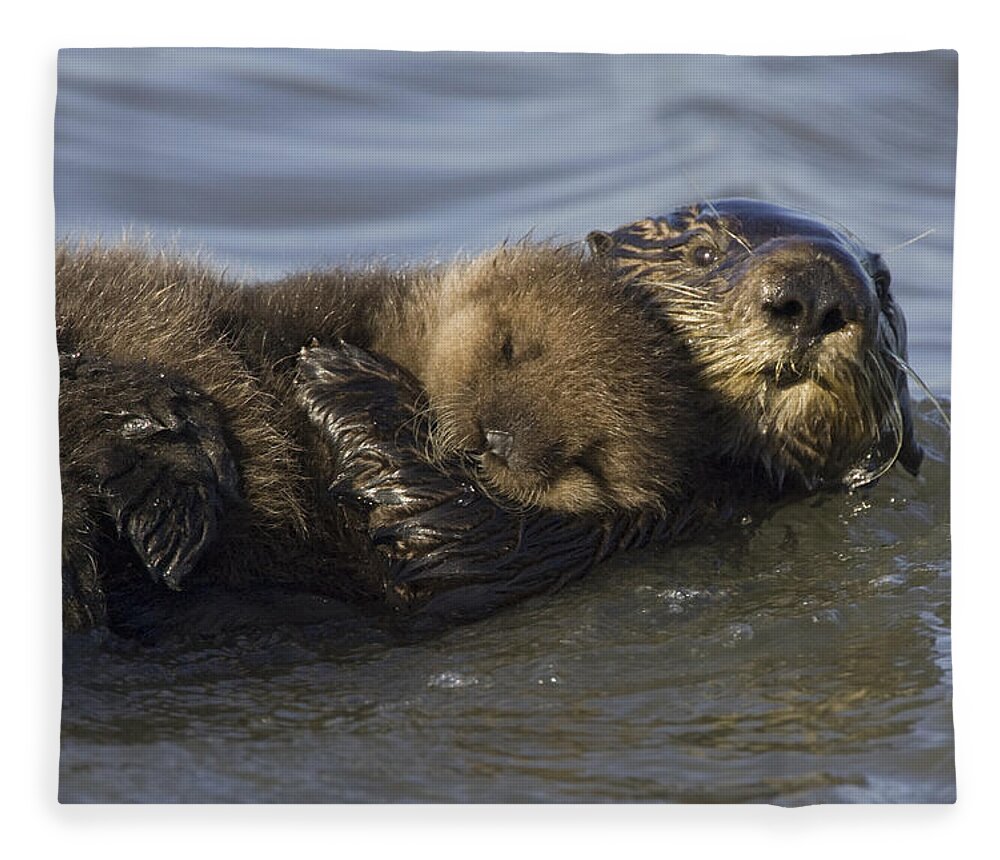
(162, 467)
(365, 408)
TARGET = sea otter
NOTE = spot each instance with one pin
(184, 448)
(435, 510)
(793, 332)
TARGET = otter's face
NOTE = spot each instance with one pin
(524, 378)
(799, 344)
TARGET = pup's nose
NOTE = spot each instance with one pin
(500, 443)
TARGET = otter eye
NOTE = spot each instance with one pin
(704, 255)
(507, 349)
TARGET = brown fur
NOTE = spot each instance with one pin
(794, 335)
(536, 344)
(174, 377)
(531, 340)
(155, 311)
(720, 353)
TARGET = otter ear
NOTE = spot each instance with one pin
(600, 242)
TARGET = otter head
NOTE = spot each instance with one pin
(800, 346)
(552, 383)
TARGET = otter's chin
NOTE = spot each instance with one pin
(511, 480)
(817, 430)
(814, 433)
(529, 470)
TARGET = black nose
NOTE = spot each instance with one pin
(500, 443)
(812, 302)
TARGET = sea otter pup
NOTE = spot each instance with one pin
(564, 388)
(185, 452)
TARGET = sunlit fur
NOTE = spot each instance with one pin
(538, 342)
(829, 409)
(598, 417)
(134, 308)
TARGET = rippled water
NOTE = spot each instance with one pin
(802, 659)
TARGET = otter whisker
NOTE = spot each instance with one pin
(693, 299)
(885, 390)
(722, 224)
(504, 503)
(685, 289)
(697, 305)
(690, 300)
(419, 424)
(902, 365)
(908, 242)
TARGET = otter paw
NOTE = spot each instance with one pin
(166, 478)
(366, 411)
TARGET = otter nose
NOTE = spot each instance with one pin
(500, 443)
(811, 303)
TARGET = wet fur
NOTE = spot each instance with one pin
(187, 454)
(830, 409)
(352, 460)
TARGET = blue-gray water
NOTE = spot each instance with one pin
(802, 659)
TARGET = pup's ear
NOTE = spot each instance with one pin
(600, 242)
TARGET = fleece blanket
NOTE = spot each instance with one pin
(781, 647)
